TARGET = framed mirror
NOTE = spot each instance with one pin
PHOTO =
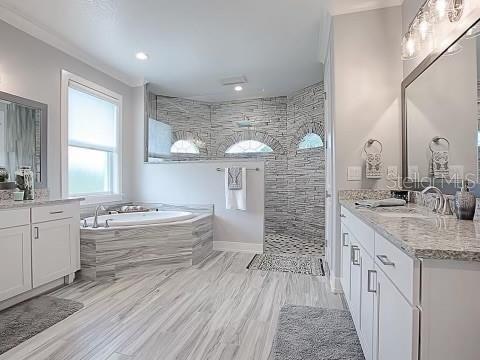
(441, 115)
(23, 138)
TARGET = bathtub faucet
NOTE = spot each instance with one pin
(95, 219)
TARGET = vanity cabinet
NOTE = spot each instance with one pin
(385, 318)
(39, 248)
(15, 262)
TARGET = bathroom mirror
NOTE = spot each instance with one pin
(441, 116)
(23, 138)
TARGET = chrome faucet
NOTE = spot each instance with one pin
(95, 219)
(442, 202)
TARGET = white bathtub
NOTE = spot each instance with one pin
(142, 218)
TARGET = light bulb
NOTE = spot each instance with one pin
(423, 27)
(410, 46)
(441, 8)
(238, 88)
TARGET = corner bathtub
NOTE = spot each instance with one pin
(141, 218)
(139, 243)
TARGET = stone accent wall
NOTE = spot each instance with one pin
(294, 179)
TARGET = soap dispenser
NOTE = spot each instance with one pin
(465, 203)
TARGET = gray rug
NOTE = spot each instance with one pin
(306, 265)
(27, 319)
(310, 333)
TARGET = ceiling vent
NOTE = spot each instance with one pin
(234, 80)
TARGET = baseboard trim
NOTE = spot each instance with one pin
(238, 247)
(335, 285)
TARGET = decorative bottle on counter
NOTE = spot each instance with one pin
(25, 182)
(465, 203)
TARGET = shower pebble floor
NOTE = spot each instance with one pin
(291, 245)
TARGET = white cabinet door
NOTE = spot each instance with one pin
(51, 251)
(396, 323)
(367, 302)
(345, 262)
(15, 261)
(355, 281)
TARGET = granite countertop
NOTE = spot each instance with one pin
(10, 204)
(421, 233)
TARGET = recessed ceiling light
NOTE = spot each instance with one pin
(238, 88)
(141, 56)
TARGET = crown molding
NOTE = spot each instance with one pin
(20, 21)
(343, 7)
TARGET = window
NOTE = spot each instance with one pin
(91, 122)
(249, 146)
(184, 147)
(311, 141)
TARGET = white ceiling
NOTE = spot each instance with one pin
(192, 44)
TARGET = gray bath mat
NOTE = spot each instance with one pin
(27, 319)
(306, 265)
(310, 333)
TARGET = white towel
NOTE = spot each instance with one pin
(236, 199)
(440, 164)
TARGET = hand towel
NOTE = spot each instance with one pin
(381, 203)
(440, 164)
(234, 178)
(374, 166)
(236, 199)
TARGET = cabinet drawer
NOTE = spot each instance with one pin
(53, 212)
(397, 265)
(362, 232)
(10, 218)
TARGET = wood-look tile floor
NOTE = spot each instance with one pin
(215, 310)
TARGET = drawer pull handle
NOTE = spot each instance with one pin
(385, 260)
(342, 216)
(369, 284)
(344, 239)
(35, 232)
(355, 259)
(56, 212)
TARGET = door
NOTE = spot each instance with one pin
(355, 281)
(346, 264)
(50, 251)
(367, 305)
(397, 323)
(15, 261)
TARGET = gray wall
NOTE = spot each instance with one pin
(32, 69)
(294, 180)
(367, 76)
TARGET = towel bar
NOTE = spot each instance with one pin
(249, 169)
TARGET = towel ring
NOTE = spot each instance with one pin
(370, 142)
(436, 140)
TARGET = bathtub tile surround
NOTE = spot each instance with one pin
(114, 252)
(294, 179)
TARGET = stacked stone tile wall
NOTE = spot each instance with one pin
(294, 179)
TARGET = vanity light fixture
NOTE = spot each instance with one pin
(423, 25)
(441, 8)
(430, 14)
(238, 88)
(409, 47)
(141, 56)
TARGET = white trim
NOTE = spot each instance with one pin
(238, 247)
(17, 19)
(335, 285)
(109, 95)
